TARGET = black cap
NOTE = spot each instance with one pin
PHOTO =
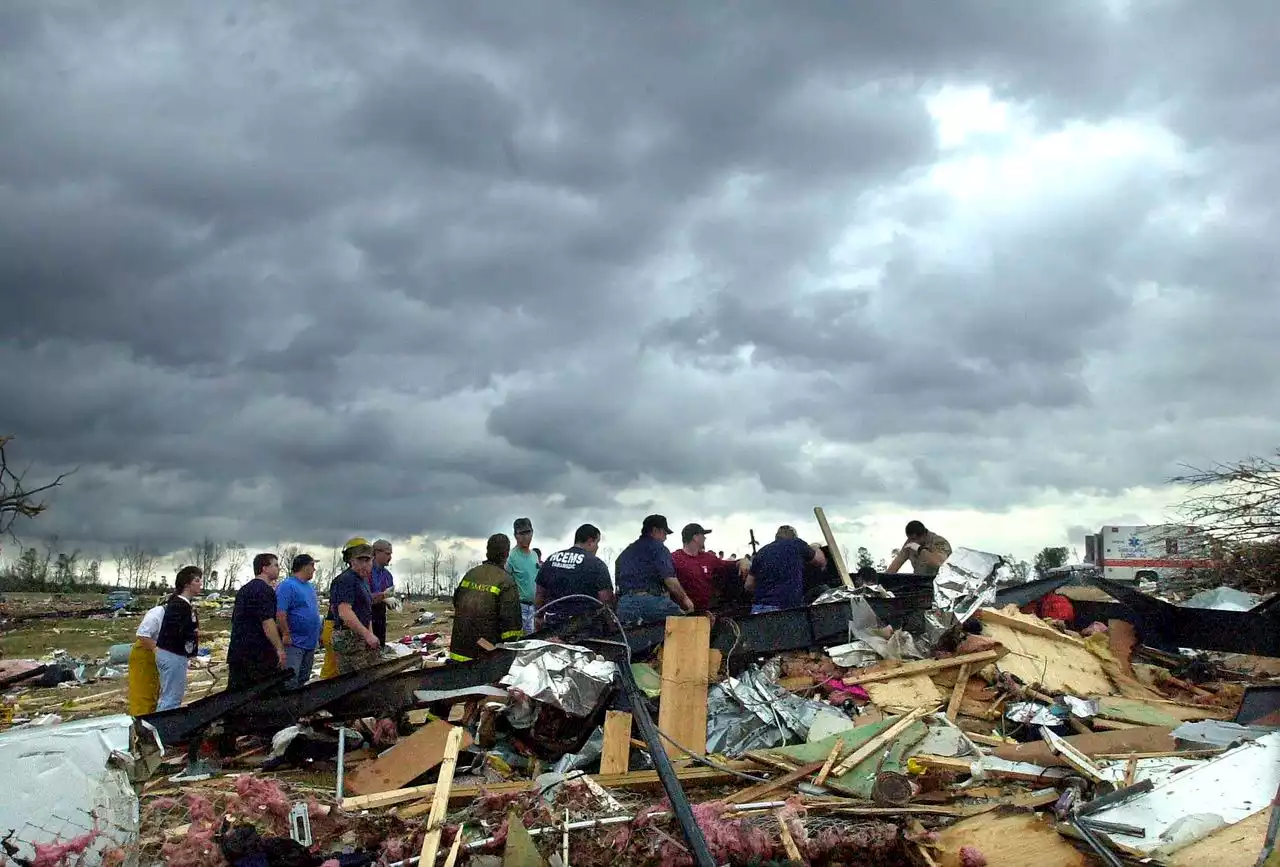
(691, 530)
(522, 524)
(655, 522)
(301, 561)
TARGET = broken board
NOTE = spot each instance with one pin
(917, 690)
(410, 758)
(1058, 664)
(859, 780)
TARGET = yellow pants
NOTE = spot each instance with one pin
(144, 680)
(330, 667)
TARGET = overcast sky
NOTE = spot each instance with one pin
(295, 271)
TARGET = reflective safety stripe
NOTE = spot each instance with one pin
(458, 657)
(471, 585)
(512, 633)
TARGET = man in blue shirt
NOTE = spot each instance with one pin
(777, 571)
(381, 585)
(646, 577)
(298, 617)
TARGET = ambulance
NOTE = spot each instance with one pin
(1149, 553)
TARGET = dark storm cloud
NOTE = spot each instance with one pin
(288, 272)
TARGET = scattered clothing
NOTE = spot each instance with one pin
(297, 599)
(700, 574)
(779, 573)
(570, 572)
(486, 605)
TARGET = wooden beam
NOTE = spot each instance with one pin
(615, 755)
(957, 691)
(842, 568)
(877, 743)
(929, 666)
(682, 710)
(440, 800)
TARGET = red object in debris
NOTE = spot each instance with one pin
(1052, 606)
(422, 637)
(970, 856)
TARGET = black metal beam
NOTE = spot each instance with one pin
(1168, 626)
(177, 725)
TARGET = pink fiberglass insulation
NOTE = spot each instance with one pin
(58, 853)
(262, 799)
(385, 733)
(970, 856)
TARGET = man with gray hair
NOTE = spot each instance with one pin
(776, 575)
(381, 585)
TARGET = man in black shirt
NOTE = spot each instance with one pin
(256, 651)
(179, 637)
(573, 571)
(351, 604)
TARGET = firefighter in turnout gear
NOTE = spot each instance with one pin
(486, 605)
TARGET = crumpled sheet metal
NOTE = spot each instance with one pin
(1083, 708)
(968, 581)
(866, 646)
(1031, 713)
(64, 780)
(751, 712)
(566, 676)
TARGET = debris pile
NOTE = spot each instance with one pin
(858, 730)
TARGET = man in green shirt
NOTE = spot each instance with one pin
(522, 565)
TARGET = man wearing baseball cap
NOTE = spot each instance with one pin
(646, 577)
(298, 618)
(351, 604)
(523, 564)
(700, 571)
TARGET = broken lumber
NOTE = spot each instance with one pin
(615, 754)
(927, 666)
(408, 759)
(686, 652)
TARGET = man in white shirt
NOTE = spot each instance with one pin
(144, 677)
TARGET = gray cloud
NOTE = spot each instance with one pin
(271, 272)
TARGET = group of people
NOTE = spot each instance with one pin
(277, 625)
(514, 591)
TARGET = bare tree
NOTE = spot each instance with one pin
(135, 565)
(285, 555)
(1235, 503)
(1233, 509)
(236, 559)
(451, 571)
(434, 560)
(64, 570)
(205, 554)
(18, 499)
(52, 548)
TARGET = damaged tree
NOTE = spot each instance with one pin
(1238, 506)
(17, 500)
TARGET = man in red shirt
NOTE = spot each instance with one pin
(699, 570)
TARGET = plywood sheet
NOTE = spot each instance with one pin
(686, 661)
(409, 759)
(1057, 664)
(1008, 840)
(905, 692)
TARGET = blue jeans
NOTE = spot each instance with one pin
(764, 609)
(173, 679)
(301, 661)
(526, 617)
(633, 609)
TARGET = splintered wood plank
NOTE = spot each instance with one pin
(410, 758)
(682, 711)
(440, 799)
(842, 568)
(926, 666)
(957, 692)
(615, 755)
